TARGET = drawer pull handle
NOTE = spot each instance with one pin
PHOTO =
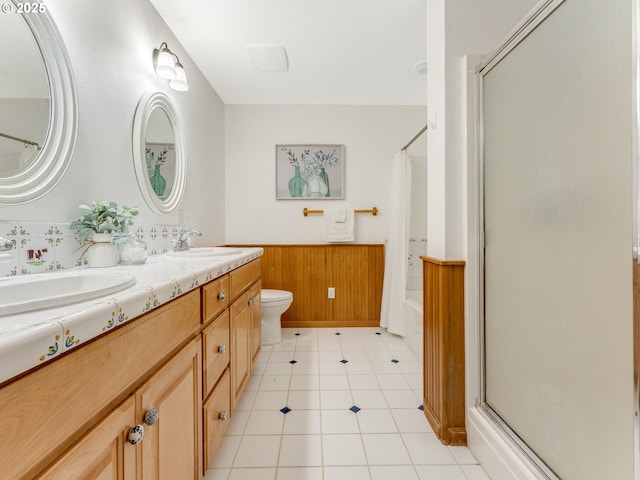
(222, 296)
(252, 301)
(136, 434)
(223, 415)
(151, 417)
(222, 348)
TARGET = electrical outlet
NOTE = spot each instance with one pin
(332, 292)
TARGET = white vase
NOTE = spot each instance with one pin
(102, 252)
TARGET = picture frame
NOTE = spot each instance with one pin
(310, 172)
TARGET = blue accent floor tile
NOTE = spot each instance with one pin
(297, 334)
(344, 361)
(355, 409)
(395, 361)
(338, 333)
(293, 362)
(285, 410)
(421, 407)
(378, 333)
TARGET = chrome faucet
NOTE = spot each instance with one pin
(5, 244)
(183, 242)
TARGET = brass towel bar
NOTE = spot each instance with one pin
(373, 211)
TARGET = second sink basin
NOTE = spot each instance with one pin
(49, 290)
(206, 252)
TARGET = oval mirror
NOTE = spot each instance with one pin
(159, 153)
(38, 107)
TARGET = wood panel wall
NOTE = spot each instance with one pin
(444, 372)
(355, 271)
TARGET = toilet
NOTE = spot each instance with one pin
(273, 304)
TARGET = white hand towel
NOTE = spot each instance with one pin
(339, 225)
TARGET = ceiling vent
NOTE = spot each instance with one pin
(268, 58)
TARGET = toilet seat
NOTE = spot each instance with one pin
(270, 296)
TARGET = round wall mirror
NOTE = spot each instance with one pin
(159, 153)
(38, 107)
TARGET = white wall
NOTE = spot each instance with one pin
(456, 28)
(371, 136)
(110, 46)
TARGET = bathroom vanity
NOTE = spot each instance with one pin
(174, 373)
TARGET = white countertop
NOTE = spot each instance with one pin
(33, 338)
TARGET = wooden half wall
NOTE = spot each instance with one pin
(355, 271)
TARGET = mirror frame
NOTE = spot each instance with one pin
(55, 156)
(147, 105)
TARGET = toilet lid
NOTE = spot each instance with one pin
(268, 295)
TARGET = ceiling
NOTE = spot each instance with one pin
(340, 52)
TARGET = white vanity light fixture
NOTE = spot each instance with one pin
(167, 65)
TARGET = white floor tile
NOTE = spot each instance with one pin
(401, 399)
(320, 438)
(463, 456)
(275, 382)
(339, 421)
(226, 451)
(336, 399)
(302, 422)
(305, 382)
(264, 423)
(270, 400)
(440, 472)
(299, 473)
(257, 451)
(411, 420)
(363, 382)
(334, 382)
(343, 450)
(395, 472)
(347, 473)
(392, 382)
(253, 474)
(474, 472)
(301, 451)
(237, 422)
(385, 449)
(376, 421)
(217, 474)
(304, 400)
(426, 449)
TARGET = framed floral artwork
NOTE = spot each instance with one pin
(309, 172)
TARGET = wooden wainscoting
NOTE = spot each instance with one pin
(355, 271)
(444, 402)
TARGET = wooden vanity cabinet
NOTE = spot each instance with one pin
(104, 453)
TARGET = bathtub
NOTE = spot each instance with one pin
(413, 314)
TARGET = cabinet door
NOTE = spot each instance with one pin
(256, 321)
(216, 418)
(172, 445)
(104, 454)
(240, 341)
(215, 349)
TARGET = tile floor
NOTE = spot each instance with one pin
(328, 404)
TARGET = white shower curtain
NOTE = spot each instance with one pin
(392, 314)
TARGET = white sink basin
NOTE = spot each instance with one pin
(206, 252)
(48, 290)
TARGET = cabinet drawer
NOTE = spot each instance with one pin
(215, 347)
(215, 298)
(241, 278)
(216, 418)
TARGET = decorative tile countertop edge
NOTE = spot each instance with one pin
(30, 339)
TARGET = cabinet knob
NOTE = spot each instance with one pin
(222, 296)
(252, 301)
(223, 415)
(136, 434)
(222, 348)
(151, 417)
